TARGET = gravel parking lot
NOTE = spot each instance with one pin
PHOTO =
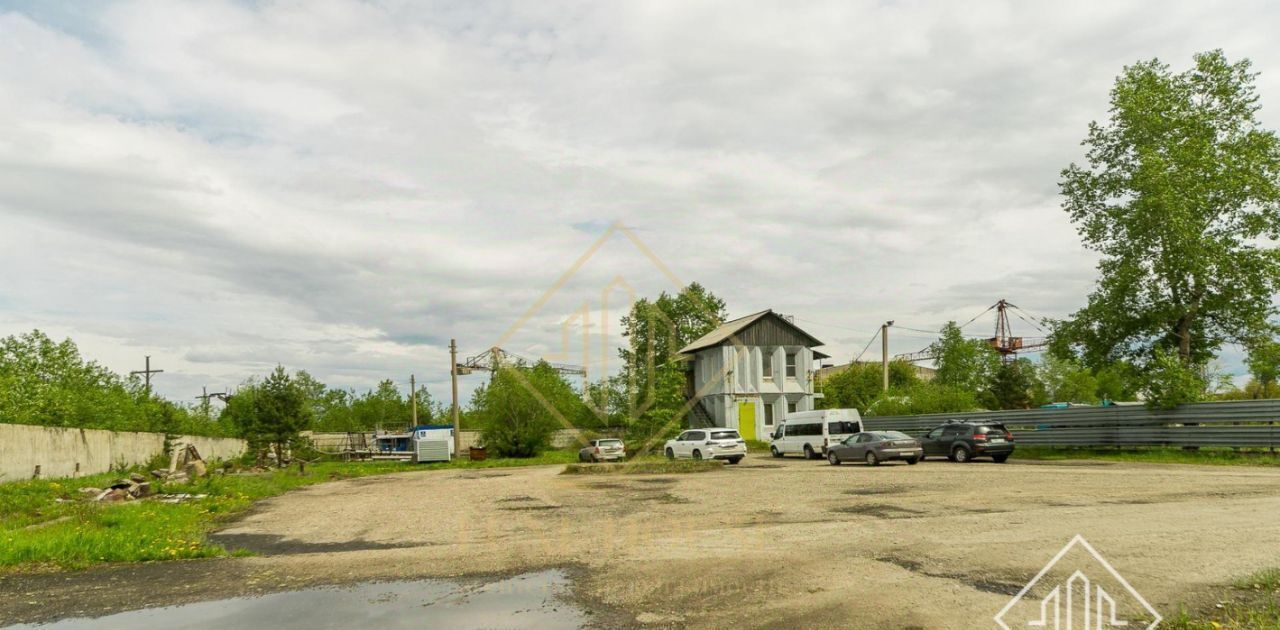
(769, 542)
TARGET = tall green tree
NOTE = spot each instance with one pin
(1168, 383)
(1065, 380)
(50, 383)
(965, 364)
(383, 406)
(861, 384)
(521, 408)
(1015, 386)
(656, 331)
(1180, 194)
(1264, 365)
(270, 414)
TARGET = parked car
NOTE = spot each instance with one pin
(809, 433)
(962, 441)
(874, 447)
(711, 443)
(603, 450)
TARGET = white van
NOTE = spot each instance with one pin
(809, 432)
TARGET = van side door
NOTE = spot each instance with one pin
(787, 443)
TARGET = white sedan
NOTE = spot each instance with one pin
(723, 444)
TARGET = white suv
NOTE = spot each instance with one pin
(708, 444)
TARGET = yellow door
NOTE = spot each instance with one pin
(747, 420)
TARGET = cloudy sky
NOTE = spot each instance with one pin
(344, 186)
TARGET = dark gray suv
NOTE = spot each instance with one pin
(963, 441)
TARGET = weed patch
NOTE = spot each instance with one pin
(1154, 455)
(653, 466)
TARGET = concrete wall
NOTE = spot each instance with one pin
(334, 442)
(58, 451)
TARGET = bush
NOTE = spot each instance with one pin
(521, 408)
(1170, 383)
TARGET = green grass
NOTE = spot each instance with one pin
(1157, 455)
(1233, 615)
(1253, 602)
(48, 524)
(757, 446)
(1265, 580)
(565, 456)
(646, 466)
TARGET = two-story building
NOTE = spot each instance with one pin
(749, 373)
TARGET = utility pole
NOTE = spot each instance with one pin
(884, 352)
(413, 398)
(453, 376)
(146, 374)
(205, 396)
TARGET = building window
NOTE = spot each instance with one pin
(791, 365)
(766, 364)
(768, 415)
(791, 406)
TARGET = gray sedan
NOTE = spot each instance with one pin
(874, 447)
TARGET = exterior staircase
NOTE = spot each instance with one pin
(699, 418)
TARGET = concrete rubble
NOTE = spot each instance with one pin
(185, 465)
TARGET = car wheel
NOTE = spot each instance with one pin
(913, 461)
(960, 454)
(808, 452)
(774, 451)
(671, 454)
(581, 457)
(697, 454)
(595, 460)
(1000, 459)
(831, 457)
(734, 460)
(872, 460)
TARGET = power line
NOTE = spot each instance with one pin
(1033, 324)
(864, 349)
(975, 317)
(919, 330)
(832, 325)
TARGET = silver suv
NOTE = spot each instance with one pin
(603, 450)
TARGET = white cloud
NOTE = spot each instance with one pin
(344, 186)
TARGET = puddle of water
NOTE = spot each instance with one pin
(532, 600)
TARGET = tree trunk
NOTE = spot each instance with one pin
(1184, 339)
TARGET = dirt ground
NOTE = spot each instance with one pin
(767, 543)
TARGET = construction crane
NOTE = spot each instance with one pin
(1004, 342)
(495, 357)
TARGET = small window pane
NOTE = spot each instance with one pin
(768, 415)
(791, 364)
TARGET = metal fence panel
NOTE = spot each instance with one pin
(1244, 423)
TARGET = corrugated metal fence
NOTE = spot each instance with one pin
(1242, 423)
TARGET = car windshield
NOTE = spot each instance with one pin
(892, 435)
(724, 435)
(609, 443)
